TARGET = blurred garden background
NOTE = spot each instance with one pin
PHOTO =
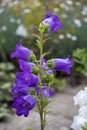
(18, 20)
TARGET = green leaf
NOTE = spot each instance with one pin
(37, 36)
(46, 39)
(45, 54)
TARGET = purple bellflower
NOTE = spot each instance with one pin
(26, 79)
(63, 64)
(24, 104)
(20, 91)
(48, 93)
(26, 66)
(21, 52)
(52, 21)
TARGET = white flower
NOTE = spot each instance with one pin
(74, 38)
(55, 9)
(4, 28)
(77, 22)
(85, 19)
(64, 15)
(18, 21)
(81, 98)
(1, 11)
(12, 20)
(78, 122)
(83, 111)
(68, 35)
(69, 2)
(84, 11)
(61, 36)
(26, 11)
(62, 5)
(78, 3)
(21, 31)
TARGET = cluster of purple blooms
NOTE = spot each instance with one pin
(27, 82)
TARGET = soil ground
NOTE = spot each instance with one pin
(61, 117)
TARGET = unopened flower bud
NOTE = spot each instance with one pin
(32, 91)
(47, 78)
(32, 57)
(50, 64)
(35, 70)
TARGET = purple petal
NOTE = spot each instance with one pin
(26, 66)
(26, 79)
(21, 52)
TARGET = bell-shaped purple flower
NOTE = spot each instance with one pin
(52, 21)
(48, 93)
(26, 66)
(26, 79)
(19, 91)
(63, 64)
(21, 52)
(24, 104)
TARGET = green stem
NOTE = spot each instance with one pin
(41, 96)
(41, 116)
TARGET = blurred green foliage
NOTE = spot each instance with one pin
(25, 14)
(6, 82)
(80, 59)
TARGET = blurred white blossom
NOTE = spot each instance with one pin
(77, 22)
(81, 98)
(83, 112)
(4, 28)
(74, 38)
(68, 35)
(21, 31)
(18, 21)
(78, 122)
(12, 20)
(84, 11)
(61, 36)
(1, 11)
(85, 19)
(69, 2)
(26, 11)
(55, 10)
(77, 3)
(64, 16)
(64, 6)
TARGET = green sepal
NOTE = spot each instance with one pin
(50, 63)
(48, 78)
(32, 91)
(32, 57)
(43, 27)
(35, 70)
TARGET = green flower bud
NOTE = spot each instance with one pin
(32, 91)
(50, 64)
(35, 70)
(48, 78)
(32, 57)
